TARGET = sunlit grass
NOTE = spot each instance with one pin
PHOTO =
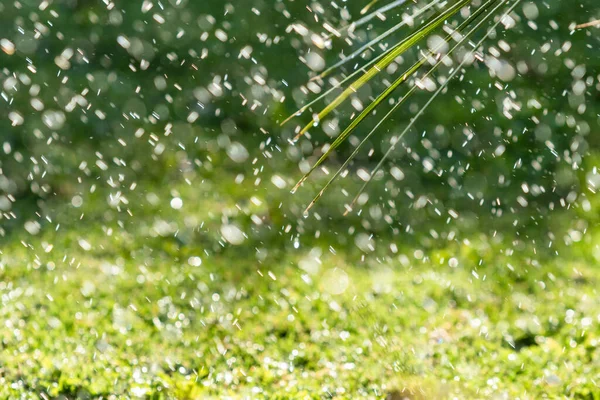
(89, 313)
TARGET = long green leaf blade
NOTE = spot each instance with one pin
(362, 69)
(376, 40)
(387, 92)
(366, 18)
(402, 100)
(385, 61)
(428, 103)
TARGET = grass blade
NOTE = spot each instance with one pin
(362, 69)
(431, 99)
(385, 61)
(366, 8)
(337, 85)
(347, 131)
(363, 20)
(376, 40)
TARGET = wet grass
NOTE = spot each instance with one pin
(112, 305)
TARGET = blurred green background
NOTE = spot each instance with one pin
(150, 246)
(203, 75)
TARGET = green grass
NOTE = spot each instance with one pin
(125, 314)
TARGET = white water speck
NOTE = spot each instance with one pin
(237, 152)
(176, 203)
(195, 261)
(32, 227)
(336, 281)
(233, 234)
(364, 242)
(278, 181)
(85, 245)
(315, 61)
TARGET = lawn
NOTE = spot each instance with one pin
(213, 295)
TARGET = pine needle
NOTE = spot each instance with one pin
(431, 99)
(376, 40)
(370, 16)
(588, 24)
(401, 101)
(399, 49)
